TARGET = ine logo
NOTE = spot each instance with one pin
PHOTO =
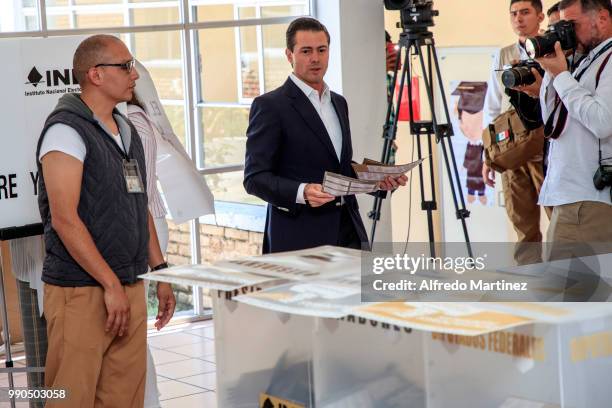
(34, 77)
(53, 77)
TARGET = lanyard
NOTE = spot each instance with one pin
(599, 54)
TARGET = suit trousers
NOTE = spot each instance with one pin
(95, 368)
(521, 191)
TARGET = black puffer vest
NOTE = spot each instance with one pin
(116, 219)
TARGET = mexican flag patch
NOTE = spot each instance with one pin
(500, 137)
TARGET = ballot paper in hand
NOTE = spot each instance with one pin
(339, 185)
(376, 171)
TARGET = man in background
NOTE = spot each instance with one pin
(522, 185)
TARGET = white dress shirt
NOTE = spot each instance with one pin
(573, 158)
(496, 99)
(148, 134)
(324, 107)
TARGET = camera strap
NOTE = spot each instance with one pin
(599, 72)
(553, 130)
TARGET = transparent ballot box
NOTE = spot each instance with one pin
(261, 352)
(364, 363)
(356, 362)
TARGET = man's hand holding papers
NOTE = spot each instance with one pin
(371, 176)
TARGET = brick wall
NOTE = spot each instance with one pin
(217, 243)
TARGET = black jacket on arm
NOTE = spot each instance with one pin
(287, 144)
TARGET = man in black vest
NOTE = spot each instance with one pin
(99, 236)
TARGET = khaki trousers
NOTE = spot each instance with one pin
(521, 191)
(96, 369)
(579, 229)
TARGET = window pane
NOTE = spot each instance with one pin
(276, 66)
(215, 10)
(110, 13)
(224, 130)
(217, 56)
(249, 62)
(247, 12)
(161, 53)
(221, 242)
(299, 9)
(149, 16)
(176, 116)
(19, 17)
(99, 20)
(228, 187)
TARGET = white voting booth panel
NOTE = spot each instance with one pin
(40, 72)
(261, 352)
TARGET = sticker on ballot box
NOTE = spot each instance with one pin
(268, 401)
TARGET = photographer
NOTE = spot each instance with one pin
(521, 185)
(580, 107)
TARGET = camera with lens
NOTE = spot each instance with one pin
(563, 31)
(416, 15)
(603, 177)
(520, 74)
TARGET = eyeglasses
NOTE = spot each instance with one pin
(126, 66)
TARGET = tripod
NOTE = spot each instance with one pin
(413, 43)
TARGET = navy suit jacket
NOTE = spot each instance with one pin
(287, 144)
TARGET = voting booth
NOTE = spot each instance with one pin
(289, 332)
(357, 362)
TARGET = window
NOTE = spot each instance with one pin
(208, 65)
(67, 14)
(18, 16)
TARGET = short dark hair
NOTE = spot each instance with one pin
(553, 9)
(304, 24)
(537, 4)
(588, 5)
(90, 52)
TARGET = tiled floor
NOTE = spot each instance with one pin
(185, 362)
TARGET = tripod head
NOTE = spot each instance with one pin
(415, 15)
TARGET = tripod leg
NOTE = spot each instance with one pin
(462, 212)
(453, 175)
(390, 131)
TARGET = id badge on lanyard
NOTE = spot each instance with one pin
(133, 180)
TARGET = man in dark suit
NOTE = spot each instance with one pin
(295, 134)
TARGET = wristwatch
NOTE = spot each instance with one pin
(162, 265)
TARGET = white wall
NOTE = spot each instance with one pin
(357, 71)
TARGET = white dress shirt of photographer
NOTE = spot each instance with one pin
(581, 212)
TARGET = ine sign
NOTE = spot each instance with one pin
(37, 73)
